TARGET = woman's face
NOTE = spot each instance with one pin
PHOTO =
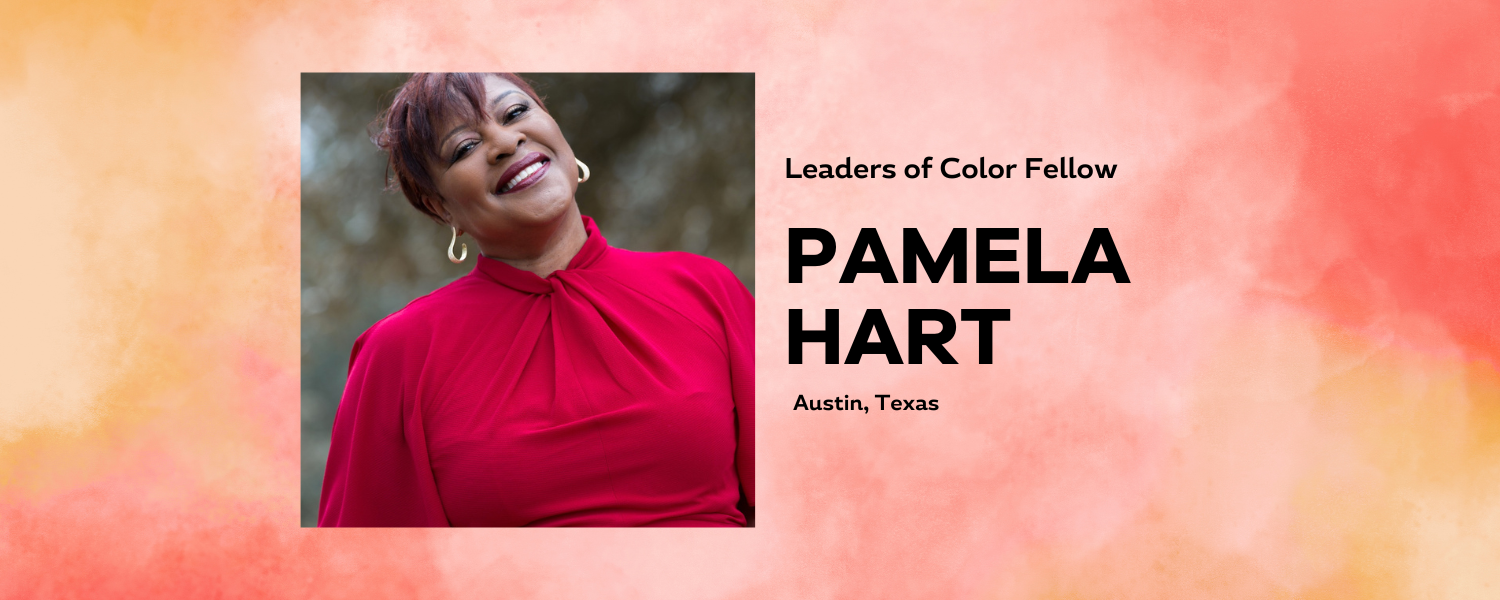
(510, 180)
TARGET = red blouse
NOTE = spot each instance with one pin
(619, 391)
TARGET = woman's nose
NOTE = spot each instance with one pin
(506, 143)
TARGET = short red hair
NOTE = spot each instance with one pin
(406, 131)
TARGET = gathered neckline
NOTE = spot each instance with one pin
(593, 248)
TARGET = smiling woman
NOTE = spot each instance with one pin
(563, 381)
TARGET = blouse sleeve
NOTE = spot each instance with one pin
(378, 473)
(740, 330)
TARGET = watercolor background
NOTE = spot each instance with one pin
(1296, 397)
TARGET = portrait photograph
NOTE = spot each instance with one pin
(527, 300)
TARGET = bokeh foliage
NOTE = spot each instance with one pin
(672, 159)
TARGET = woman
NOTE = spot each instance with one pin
(562, 382)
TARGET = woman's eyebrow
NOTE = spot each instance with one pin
(500, 97)
(457, 129)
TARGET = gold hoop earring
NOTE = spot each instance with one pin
(457, 259)
(584, 168)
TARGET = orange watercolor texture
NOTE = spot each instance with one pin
(1295, 397)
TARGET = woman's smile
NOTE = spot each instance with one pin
(523, 173)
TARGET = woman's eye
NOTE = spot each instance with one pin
(463, 150)
(515, 112)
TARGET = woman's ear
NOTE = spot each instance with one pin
(435, 209)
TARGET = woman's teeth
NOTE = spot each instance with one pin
(526, 172)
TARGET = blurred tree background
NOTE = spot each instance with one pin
(672, 160)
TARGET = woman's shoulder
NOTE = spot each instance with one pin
(689, 283)
(673, 267)
(420, 318)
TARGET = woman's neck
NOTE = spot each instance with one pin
(557, 250)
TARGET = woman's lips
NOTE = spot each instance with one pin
(523, 174)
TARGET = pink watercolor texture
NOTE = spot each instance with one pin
(1295, 396)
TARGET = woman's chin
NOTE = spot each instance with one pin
(539, 204)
